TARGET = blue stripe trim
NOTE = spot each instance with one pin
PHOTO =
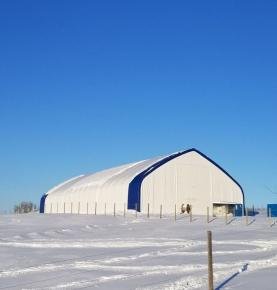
(134, 190)
(42, 203)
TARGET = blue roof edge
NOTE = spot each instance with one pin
(42, 203)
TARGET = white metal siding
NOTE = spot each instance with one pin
(188, 179)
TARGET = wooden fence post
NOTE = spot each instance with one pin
(210, 261)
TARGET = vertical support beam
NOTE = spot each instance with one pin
(71, 207)
(161, 211)
(57, 207)
(87, 207)
(136, 210)
(269, 216)
(190, 214)
(79, 207)
(95, 208)
(226, 216)
(148, 213)
(114, 209)
(210, 261)
(246, 216)
(105, 211)
(124, 211)
(208, 216)
(51, 208)
(175, 213)
(64, 207)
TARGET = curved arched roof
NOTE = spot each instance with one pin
(127, 177)
(124, 173)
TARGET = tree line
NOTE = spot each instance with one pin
(25, 207)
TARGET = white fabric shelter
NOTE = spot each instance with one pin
(187, 177)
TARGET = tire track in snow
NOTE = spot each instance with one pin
(177, 251)
(194, 282)
(186, 282)
(96, 243)
(120, 243)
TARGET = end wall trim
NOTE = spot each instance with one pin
(134, 190)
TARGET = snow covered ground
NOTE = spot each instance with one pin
(104, 252)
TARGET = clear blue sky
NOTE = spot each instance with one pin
(86, 85)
